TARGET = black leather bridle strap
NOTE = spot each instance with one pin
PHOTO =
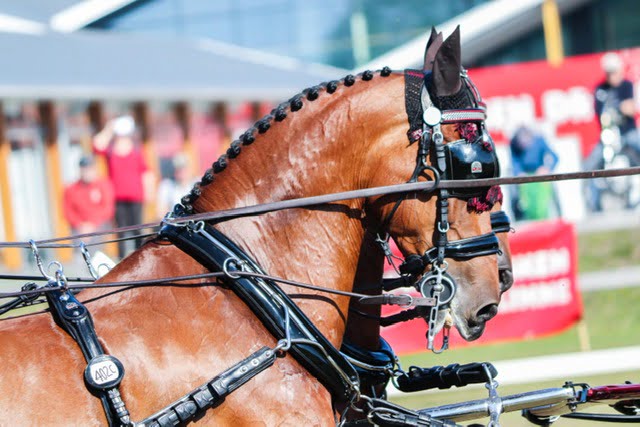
(443, 225)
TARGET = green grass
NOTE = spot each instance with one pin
(608, 249)
(611, 319)
(514, 419)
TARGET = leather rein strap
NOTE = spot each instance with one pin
(258, 209)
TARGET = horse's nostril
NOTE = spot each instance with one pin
(487, 312)
(506, 279)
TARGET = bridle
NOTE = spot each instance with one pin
(456, 160)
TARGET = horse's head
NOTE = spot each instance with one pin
(451, 142)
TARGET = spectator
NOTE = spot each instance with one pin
(615, 108)
(171, 190)
(530, 155)
(89, 202)
(615, 97)
(131, 178)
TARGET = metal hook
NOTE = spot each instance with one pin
(495, 404)
(36, 255)
(60, 278)
(60, 269)
(197, 227)
(231, 261)
(87, 259)
(445, 341)
(284, 344)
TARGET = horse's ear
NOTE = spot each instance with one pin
(434, 43)
(447, 66)
(432, 37)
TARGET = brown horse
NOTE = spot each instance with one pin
(338, 136)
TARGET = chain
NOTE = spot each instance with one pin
(438, 288)
(495, 403)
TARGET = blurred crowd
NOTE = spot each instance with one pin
(94, 203)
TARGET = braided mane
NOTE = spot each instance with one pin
(278, 114)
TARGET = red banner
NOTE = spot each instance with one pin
(558, 100)
(543, 300)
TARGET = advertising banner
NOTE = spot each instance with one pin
(543, 300)
(557, 101)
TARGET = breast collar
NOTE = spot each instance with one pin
(456, 160)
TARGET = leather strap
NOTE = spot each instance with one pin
(103, 373)
(245, 211)
(267, 301)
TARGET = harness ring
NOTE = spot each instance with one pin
(443, 229)
(225, 267)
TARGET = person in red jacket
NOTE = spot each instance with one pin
(89, 202)
(131, 178)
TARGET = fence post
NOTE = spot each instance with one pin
(48, 121)
(12, 258)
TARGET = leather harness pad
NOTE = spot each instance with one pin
(258, 294)
(500, 222)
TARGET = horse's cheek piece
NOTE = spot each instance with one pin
(470, 158)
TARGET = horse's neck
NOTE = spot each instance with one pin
(321, 149)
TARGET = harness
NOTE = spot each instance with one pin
(457, 160)
(377, 367)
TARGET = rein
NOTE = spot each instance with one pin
(246, 211)
(401, 300)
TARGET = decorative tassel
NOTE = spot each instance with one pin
(468, 131)
(485, 202)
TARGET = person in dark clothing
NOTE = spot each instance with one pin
(614, 106)
(132, 180)
(615, 96)
(530, 155)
